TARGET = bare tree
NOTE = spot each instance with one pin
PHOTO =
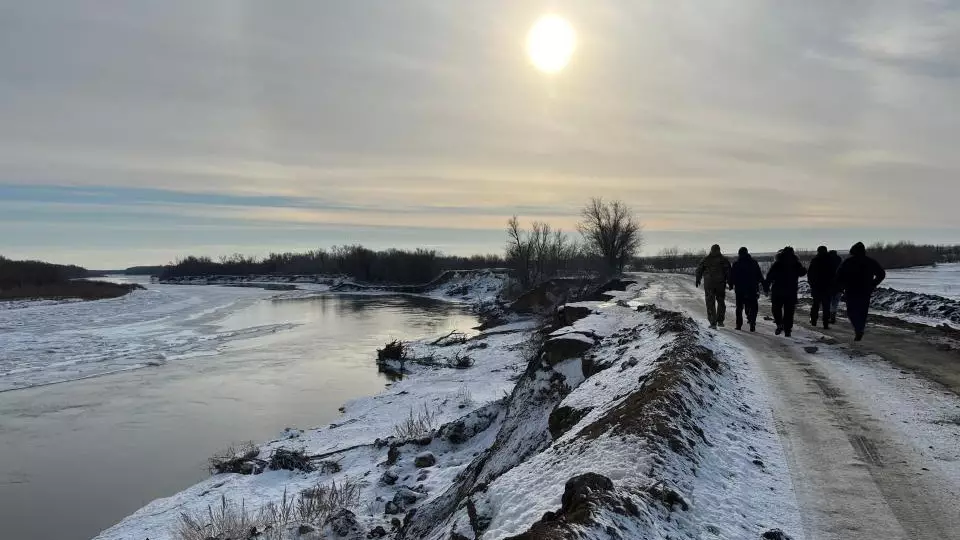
(611, 231)
(518, 250)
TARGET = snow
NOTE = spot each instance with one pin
(503, 405)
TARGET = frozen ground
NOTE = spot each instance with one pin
(50, 342)
(873, 449)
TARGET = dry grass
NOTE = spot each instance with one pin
(229, 520)
(416, 424)
(464, 397)
(225, 521)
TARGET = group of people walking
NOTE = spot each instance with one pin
(829, 276)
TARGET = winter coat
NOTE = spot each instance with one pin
(859, 275)
(746, 278)
(714, 271)
(822, 274)
(783, 276)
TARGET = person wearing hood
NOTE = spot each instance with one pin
(857, 277)
(835, 294)
(782, 283)
(714, 272)
(821, 275)
(746, 279)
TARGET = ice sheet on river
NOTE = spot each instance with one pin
(44, 343)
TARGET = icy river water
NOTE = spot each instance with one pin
(105, 406)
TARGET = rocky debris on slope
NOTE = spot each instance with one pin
(928, 306)
(911, 303)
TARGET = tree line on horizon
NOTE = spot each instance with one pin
(29, 273)
(610, 237)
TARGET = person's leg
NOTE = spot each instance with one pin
(815, 308)
(789, 308)
(835, 307)
(753, 308)
(826, 301)
(711, 306)
(741, 303)
(777, 305)
(721, 295)
(857, 312)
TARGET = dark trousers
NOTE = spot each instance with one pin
(716, 306)
(857, 309)
(783, 309)
(821, 300)
(750, 303)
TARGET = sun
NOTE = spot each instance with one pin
(550, 43)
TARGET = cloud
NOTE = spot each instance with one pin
(427, 116)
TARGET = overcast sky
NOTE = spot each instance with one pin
(133, 132)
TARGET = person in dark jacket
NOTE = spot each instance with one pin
(835, 293)
(714, 272)
(822, 278)
(746, 279)
(782, 282)
(857, 277)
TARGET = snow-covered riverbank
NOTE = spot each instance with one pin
(630, 419)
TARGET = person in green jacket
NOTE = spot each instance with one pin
(714, 272)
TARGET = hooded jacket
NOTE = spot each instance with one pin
(859, 275)
(783, 275)
(822, 273)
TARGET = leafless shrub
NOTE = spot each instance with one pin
(461, 361)
(395, 350)
(234, 459)
(416, 424)
(290, 460)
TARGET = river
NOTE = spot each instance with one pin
(108, 405)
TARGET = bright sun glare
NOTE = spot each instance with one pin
(550, 43)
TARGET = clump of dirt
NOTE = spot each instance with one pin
(584, 498)
(563, 418)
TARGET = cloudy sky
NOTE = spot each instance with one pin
(133, 132)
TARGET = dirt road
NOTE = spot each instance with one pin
(873, 450)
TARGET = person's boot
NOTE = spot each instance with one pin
(753, 327)
(858, 336)
(739, 327)
(713, 326)
(779, 330)
(720, 323)
(813, 322)
(826, 325)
